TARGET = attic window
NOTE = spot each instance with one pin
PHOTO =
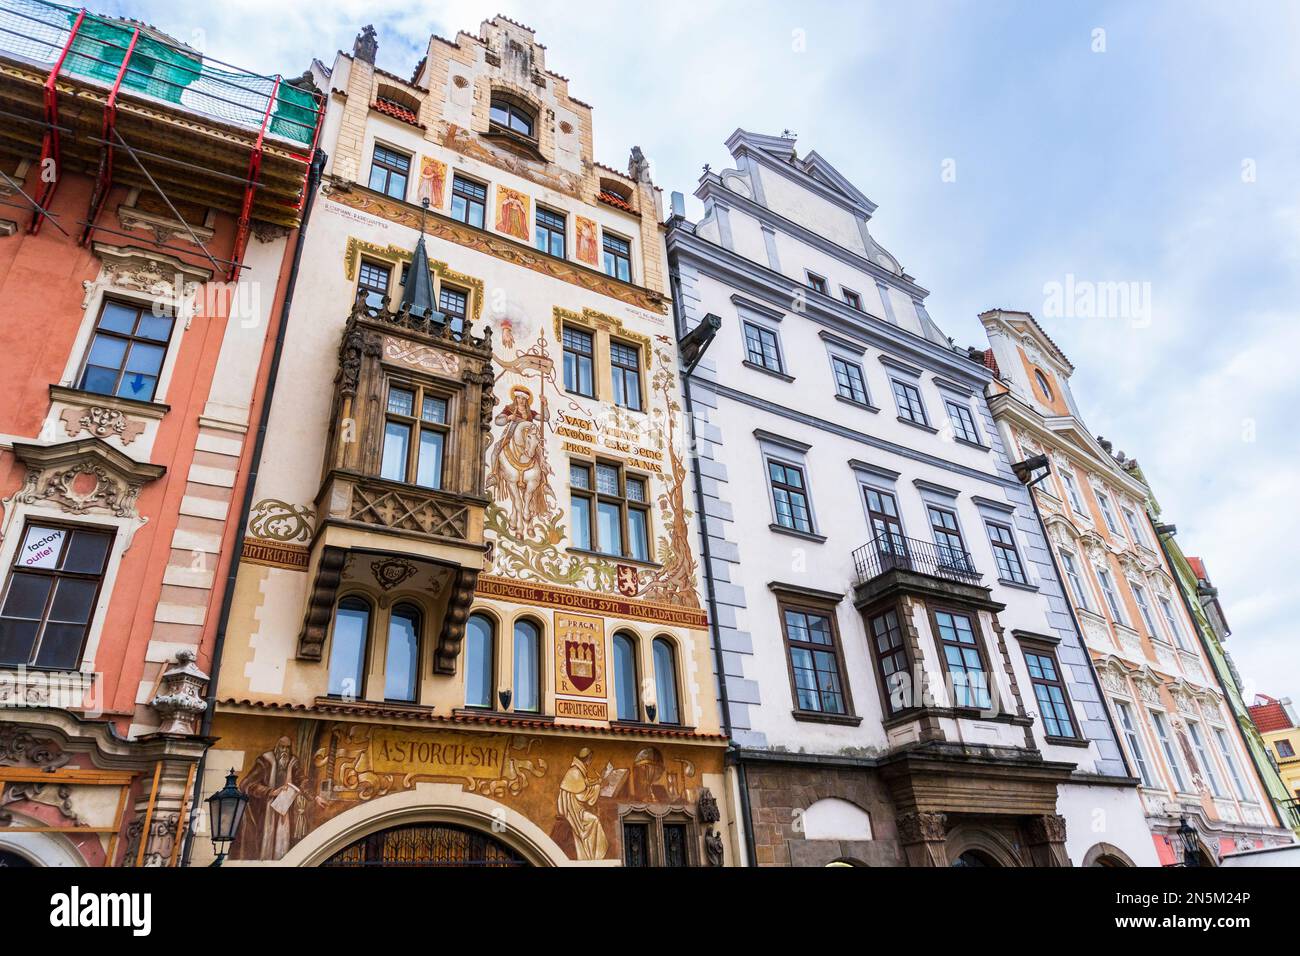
(615, 194)
(398, 104)
(1041, 379)
(506, 114)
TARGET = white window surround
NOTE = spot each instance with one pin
(1163, 727)
(1131, 730)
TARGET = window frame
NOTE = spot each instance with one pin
(904, 407)
(469, 199)
(550, 231)
(878, 661)
(539, 657)
(1130, 519)
(1070, 562)
(803, 491)
(760, 330)
(634, 642)
(386, 269)
(131, 339)
(1171, 619)
(936, 529)
(977, 632)
(620, 371)
(1132, 735)
(816, 282)
(655, 826)
(389, 170)
(513, 109)
(616, 254)
(849, 366)
(963, 422)
(367, 645)
(1230, 761)
(493, 627)
(417, 425)
(852, 299)
(1163, 728)
(1206, 759)
(1001, 547)
(58, 574)
(785, 606)
(1048, 652)
(1073, 492)
(1111, 596)
(576, 330)
(595, 498)
(418, 614)
(457, 320)
(674, 671)
(1144, 609)
(1107, 513)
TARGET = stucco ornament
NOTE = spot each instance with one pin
(102, 423)
(179, 700)
(274, 520)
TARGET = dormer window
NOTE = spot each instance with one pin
(506, 114)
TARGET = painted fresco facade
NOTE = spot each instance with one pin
(131, 379)
(885, 604)
(467, 623)
(1181, 738)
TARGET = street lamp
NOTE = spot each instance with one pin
(225, 811)
(1191, 843)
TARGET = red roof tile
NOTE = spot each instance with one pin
(614, 199)
(396, 111)
(1269, 714)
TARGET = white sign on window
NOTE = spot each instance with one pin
(41, 547)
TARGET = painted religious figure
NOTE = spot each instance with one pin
(587, 242)
(433, 180)
(274, 787)
(579, 792)
(517, 468)
(512, 213)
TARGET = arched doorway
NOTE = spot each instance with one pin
(975, 858)
(427, 844)
(8, 859)
(1107, 855)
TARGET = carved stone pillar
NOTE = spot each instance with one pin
(924, 838)
(1045, 840)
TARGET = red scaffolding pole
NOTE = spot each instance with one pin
(104, 182)
(50, 141)
(254, 173)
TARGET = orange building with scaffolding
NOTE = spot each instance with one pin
(150, 199)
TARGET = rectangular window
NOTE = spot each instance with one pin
(389, 171)
(908, 398)
(761, 348)
(848, 380)
(453, 303)
(1130, 518)
(947, 537)
(1112, 599)
(636, 844)
(790, 496)
(618, 256)
(851, 299)
(1167, 745)
(1140, 596)
(1225, 750)
(625, 371)
(1284, 749)
(893, 665)
(579, 376)
(415, 436)
(811, 639)
(816, 282)
(612, 514)
(1108, 515)
(963, 422)
(1206, 760)
(1049, 691)
(51, 596)
(963, 659)
(373, 279)
(1134, 742)
(1005, 553)
(1076, 580)
(468, 201)
(127, 351)
(1167, 611)
(1072, 489)
(550, 232)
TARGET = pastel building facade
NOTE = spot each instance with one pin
(1179, 733)
(1276, 721)
(467, 625)
(903, 681)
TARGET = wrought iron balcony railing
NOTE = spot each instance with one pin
(894, 552)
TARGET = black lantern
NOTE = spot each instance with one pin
(1191, 843)
(225, 811)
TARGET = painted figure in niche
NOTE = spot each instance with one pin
(579, 791)
(433, 180)
(276, 804)
(512, 213)
(517, 462)
(587, 244)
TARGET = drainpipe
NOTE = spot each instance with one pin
(1074, 619)
(675, 281)
(1218, 679)
(227, 598)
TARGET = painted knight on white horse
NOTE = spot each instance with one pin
(517, 470)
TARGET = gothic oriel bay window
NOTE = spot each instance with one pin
(415, 436)
(963, 658)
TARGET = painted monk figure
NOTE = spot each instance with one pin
(579, 791)
(272, 787)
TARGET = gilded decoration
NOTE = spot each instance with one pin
(299, 774)
(397, 255)
(508, 250)
(274, 520)
(391, 572)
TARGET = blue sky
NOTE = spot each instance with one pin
(1171, 158)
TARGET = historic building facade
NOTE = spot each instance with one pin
(148, 199)
(1180, 735)
(467, 626)
(902, 678)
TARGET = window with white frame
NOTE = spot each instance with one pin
(1167, 611)
(1225, 751)
(1144, 608)
(1134, 740)
(1072, 489)
(1112, 599)
(1206, 759)
(1108, 514)
(1135, 529)
(1072, 574)
(1165, 736)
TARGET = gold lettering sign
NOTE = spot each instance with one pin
(579, 655)
(593, 602)
(437, 755)
(581, 709)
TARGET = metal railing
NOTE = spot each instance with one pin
(889, 552)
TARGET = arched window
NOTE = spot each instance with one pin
(1041, 379)
(480, 661)
(508, 114)
(625, 689)
(402, 658)
(528, 657)
(348, 650)
(666, 682)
